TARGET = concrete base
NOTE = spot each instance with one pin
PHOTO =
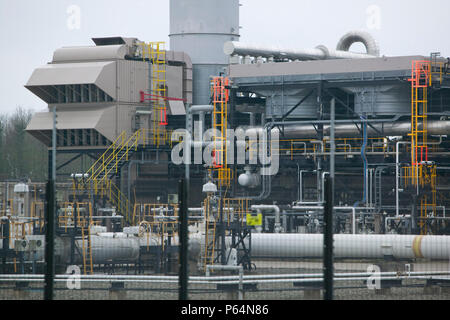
(445, 290)
(117, 295)
(383, 291)
(313, 294)
(435, 290)
(117, 292)
(21, 294)
(234, 295)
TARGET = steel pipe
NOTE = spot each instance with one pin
(352, 246)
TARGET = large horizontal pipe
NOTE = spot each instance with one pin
(292, 131)
(351, 246)
(105, 277)
(319, 53)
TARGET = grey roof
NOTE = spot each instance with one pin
(320, 68)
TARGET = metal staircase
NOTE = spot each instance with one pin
(110, 162)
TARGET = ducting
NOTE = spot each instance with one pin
(293, 131)
(74, 82)
(366, 38)
(75, 128)
(321, 52)
(351, 246)
(90, 53)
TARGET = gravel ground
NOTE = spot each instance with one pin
(272, 291)
(344, 290)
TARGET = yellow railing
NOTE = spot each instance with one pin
(161, 230)
(239, 207)
(438, 71)
(121, 150)
(293, 147)
(18, 230)
(7, 204)
(68, 210)
(113, 156)
(148, 211)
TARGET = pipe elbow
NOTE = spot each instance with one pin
(366, 38)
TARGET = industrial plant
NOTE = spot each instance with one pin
(256, 131)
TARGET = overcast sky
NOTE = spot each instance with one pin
(30, 30)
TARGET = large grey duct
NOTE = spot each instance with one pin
(292, 131)
(366, 38)
(91, 53)
(319, 53)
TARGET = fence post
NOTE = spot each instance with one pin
(328, 241)
(49, 241)
(183, 247)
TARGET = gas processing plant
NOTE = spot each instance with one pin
(256, 130)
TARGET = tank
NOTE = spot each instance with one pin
(200, 28)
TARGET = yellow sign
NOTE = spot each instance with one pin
(254, 220)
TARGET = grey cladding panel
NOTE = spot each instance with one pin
(342, 66)
(133, 78)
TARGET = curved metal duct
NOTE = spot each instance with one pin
(319, 53)
(355, 36)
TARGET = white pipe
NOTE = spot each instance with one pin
(275, 209)
(397, 199)
(255, 281)
(352, 246)
(107, 277)
(319, 53)
(353, 209)
(109, 246)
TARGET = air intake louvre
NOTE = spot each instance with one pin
(72, 93)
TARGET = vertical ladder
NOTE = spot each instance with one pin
(420, 81)
(87, 250)
(421, 173)
(220, 95)
(156, 54)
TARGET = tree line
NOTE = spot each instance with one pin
(21, 155)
